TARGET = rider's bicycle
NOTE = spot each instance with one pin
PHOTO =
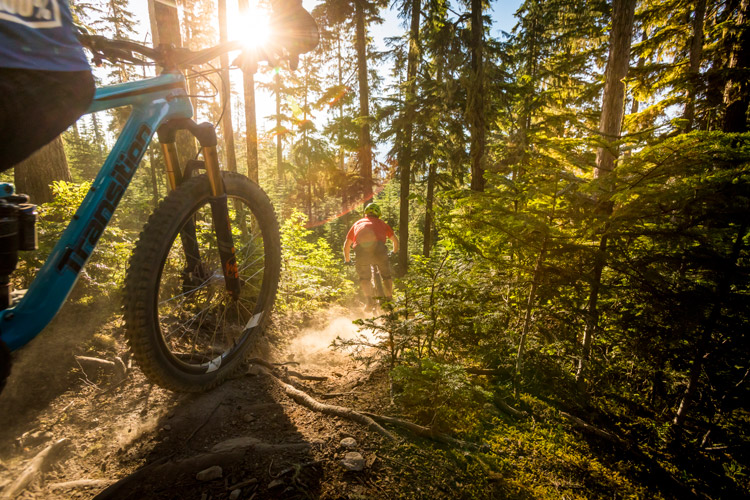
(202, 277)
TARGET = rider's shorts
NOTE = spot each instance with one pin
(37, 106)
(375, 255)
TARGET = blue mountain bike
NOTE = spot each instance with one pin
(203, 275)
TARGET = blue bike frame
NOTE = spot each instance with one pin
(154, 101)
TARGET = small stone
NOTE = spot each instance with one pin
(167, 427)
(235, 494)
(248, 417)
(317, 442)
(210, 474)
(254, 370)
(275, 484)
(349, 443)
(353, 461)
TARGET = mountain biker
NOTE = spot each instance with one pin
(45, 79)
(368, 236)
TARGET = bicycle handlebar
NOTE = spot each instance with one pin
(171, 57)
(165, 55)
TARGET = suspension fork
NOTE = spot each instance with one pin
(206, 135)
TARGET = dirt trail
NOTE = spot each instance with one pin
(266, 445)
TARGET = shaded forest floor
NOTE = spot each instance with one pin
(155, 443)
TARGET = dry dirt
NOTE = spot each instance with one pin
(267, 445)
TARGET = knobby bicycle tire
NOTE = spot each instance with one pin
(187, 333)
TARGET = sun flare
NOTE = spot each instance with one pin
(252, 28)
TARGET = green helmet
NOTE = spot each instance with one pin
(373, 209)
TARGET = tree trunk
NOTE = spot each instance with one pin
(165, 29)
(251, 125)
(696, 57)
(34, 175)
(409, 112)
(610, 123)
(226, 93)
(475, 98)
(610, 126)
(365, 144)
(339, 63)
(279, 149)
(737, 89)
(429, 202)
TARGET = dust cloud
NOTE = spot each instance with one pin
(312, 346)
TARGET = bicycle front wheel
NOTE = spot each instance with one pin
(186, 331)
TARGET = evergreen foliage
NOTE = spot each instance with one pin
(504, 281)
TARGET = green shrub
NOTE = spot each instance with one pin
(440, 395)
(311, 275)
(105, 270)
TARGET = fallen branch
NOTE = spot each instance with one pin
(95, 363)
(80, 483)
(307, 401)
(595, 430)
(421, 431)
(37, 465)
(509, 409)
(121, 370)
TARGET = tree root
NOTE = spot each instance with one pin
(305, 377)
(307, 401)
(421, 431)
(369, 420)
(37, 465)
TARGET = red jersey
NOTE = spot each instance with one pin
(368, 230)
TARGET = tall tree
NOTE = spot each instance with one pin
(414, 9)
(610, 126)
(165, 29)
(475, 106)
(251, 124)
(226, 93)
(365, 140)
(694, 61)
(737, 88)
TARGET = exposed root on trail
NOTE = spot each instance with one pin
(38, 464)
(368, 419)
(422, 431)
(309, 402)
